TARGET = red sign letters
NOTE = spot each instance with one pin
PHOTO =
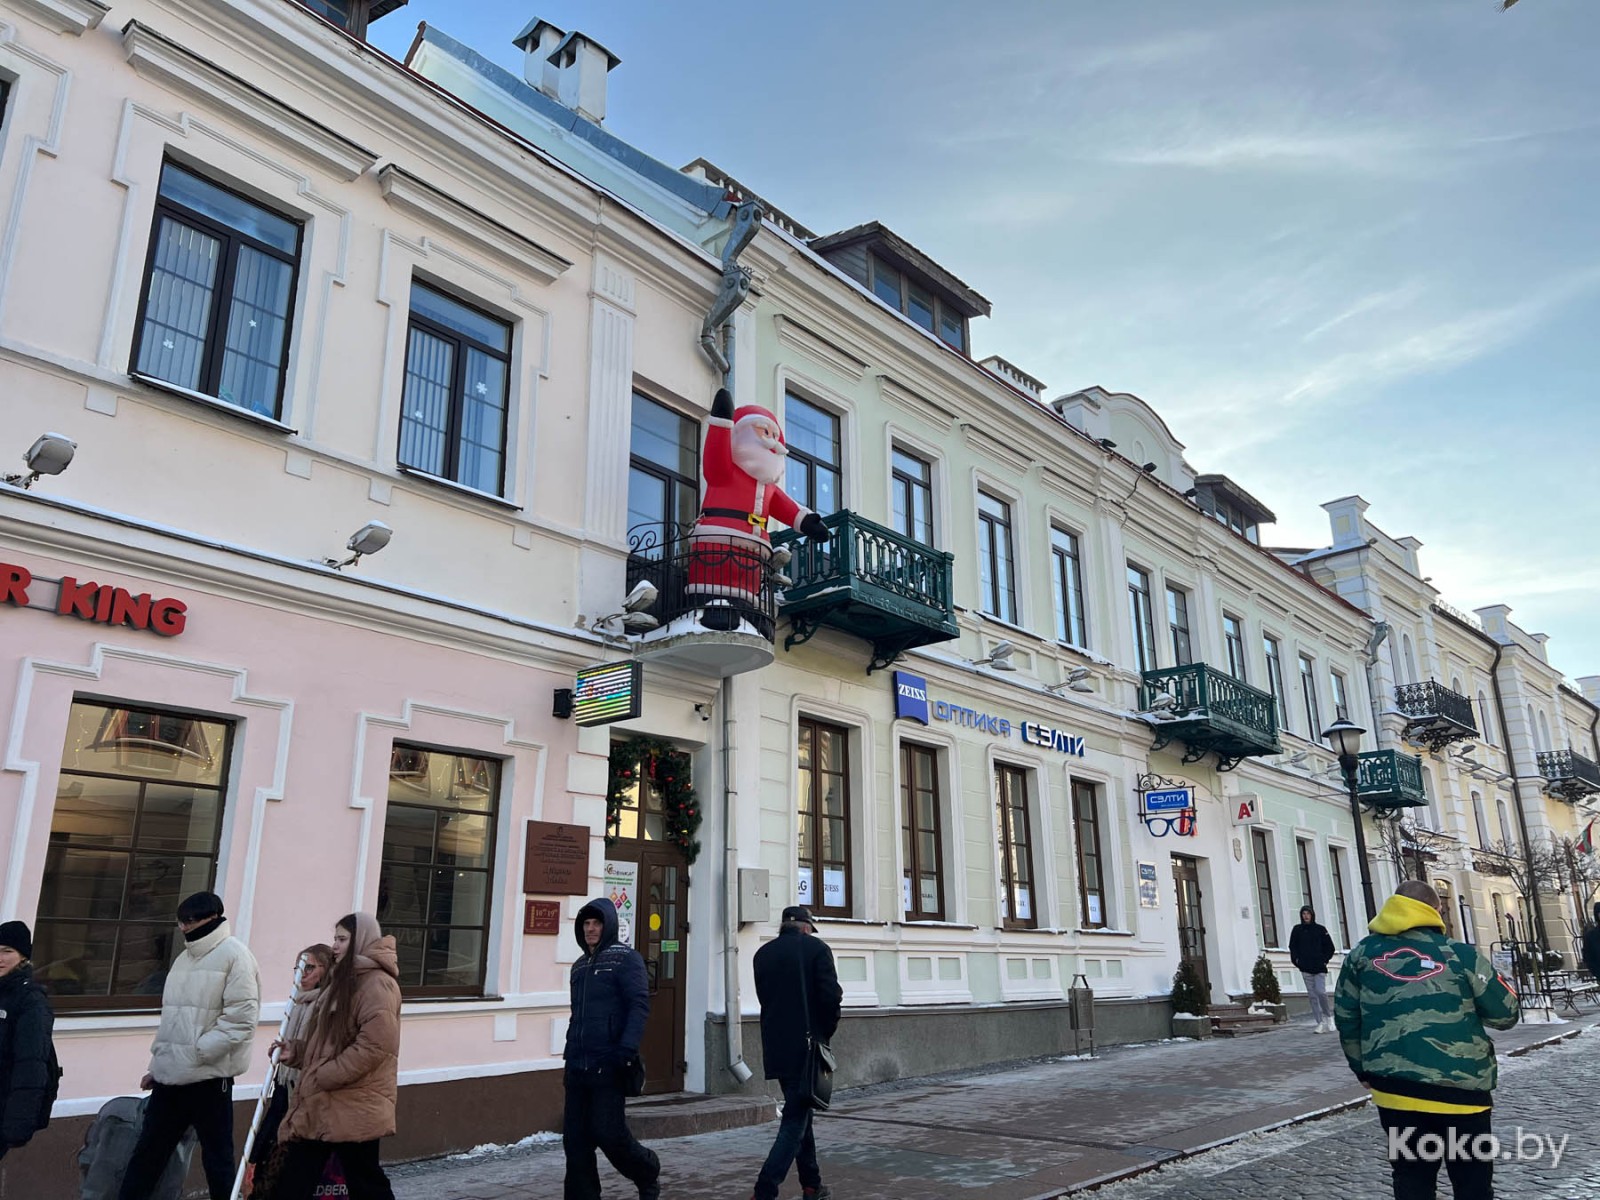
(102, 604)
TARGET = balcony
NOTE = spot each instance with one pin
(1435, 716)
(871, 583)
(716, 605)
(1389, 781)
(1569, 776)
(1210, 712)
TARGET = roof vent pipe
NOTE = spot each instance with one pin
(538, 41)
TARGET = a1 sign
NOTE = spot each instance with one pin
(1246, 809)
(1169, 800)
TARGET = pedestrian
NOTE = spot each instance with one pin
(1411, 1008)
(349, 1062)
(610, 1003)
(210, 1003)
(28, 1074)
(1310, 948)
(1591, 946)
(315, 963)
(799, 993)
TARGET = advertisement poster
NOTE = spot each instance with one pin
(621, 887)
(1149, 891)
(832, 888)
(802, 889)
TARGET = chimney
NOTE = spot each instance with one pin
(581, 67)
(538, 41)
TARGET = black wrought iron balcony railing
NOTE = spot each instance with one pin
(731, 581)
(1209, 711)
(1388, 779)
(870, 582)
(1568, 775)
(1435, 715)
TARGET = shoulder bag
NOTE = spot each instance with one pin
(819, 1055)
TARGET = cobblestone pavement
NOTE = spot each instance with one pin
(1547, 1092)
(1049, 1128)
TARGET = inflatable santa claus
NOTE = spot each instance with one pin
(743, 465)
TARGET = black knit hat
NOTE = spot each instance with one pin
(15, 934)
(200, 906)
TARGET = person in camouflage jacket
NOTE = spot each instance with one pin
(1411, 1007)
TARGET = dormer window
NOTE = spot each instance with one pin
(896, 289)
(353, 16)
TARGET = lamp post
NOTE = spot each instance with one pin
(1345, 738)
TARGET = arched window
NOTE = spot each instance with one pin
(1481, 818)
(1544, 734)
(1485, 720)
(1507, 832)
(1410, 657)
(1533, 729)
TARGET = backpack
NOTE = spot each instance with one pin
(52, 1088)
(109, 1144)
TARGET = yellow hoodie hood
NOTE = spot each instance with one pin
(1400, 913)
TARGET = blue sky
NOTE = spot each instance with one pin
(1341, 246)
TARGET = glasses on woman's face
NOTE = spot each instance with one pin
(1181, 824)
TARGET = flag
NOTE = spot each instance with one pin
(1586, 842)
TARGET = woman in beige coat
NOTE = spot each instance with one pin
(349, 1063)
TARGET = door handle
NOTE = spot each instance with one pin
(653, 969)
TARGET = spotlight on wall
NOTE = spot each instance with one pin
(640, 597)
(1107, 443)
(50, 454)
(1191, 493)
(1077, 680)
(369, 539)
(999, 658)
(1148, 468)
(703, 711)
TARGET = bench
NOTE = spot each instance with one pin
(1572, 991)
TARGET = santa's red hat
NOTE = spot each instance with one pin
(746, 411)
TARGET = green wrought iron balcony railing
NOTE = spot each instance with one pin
(1209, 711)
(1435, 715)
(1568, 775)
(1388, 779)
(870, 582)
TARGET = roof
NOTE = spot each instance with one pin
(715, 174)
(968, 301)
(1241, 499)
(382, 8)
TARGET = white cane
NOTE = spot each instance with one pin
(268, 1085)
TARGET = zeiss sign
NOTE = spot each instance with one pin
(911, 703)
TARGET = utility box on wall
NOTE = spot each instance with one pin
(754, 902)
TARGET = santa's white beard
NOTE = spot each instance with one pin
(754, 459)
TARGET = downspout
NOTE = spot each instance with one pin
(717, 341)
(1516, 791)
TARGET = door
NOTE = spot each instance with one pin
(661, 935)
(1191, 916)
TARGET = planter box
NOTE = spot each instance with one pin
(1280, 1012)
(1191, 1027)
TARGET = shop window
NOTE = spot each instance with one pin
(816, 455)
(1019, 903)
(457, 392)
(824, 848)
(1091, 870)
(136, 828)
(218, 294)
(922, 885)
(438, 867)
(1265, 906)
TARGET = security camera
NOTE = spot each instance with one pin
(369, 539)
(640, 597)
(50, 454)
(639, 622)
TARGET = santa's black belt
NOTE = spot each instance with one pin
(755, 520)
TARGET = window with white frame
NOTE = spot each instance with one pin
(1280, 700)
(1178, 626)
(1233, 639)
(1072, 626)
(1484, 721)
(1481, 818)
(997, 583)
(1266, 908)
(1142, 618)
(1308, 690)
(1507, 830)
(1302, 849)
(911, 484)
(1341, 696)
(815, 470)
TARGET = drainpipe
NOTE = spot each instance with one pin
(1369, 661)
(730, 898)
(716, 335)
(1516, 789)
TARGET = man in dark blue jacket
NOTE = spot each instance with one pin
(799, 992)
(610, 1002)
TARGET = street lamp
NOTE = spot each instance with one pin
(1345, 738)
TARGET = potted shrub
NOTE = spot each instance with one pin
(1268, 995)
(1190, 1004)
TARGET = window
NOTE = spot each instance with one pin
(1144, 629)
(353, 16)
(1507, 834)
(1481, 818)
(663, 470)
(824, 754)
(815, 458)
(1071, 627)
(1484, 722)
(1233, 638)
(896, 289)
(136, 828)
(1264, 903)
(1018, 904)
(435, 880)
(997, 583)
(1308, 690)
(219, 289)
(922, 885)
(1336, 868)
(912, 496)
(1341, 697)
(1302, 850)
(1091, 875)
(1275, 679)
(457, 389)
(1178, 625)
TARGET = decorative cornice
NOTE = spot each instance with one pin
(917, 405)
(160, 59)
(818, 348)
(76, 17)
(410, 194)
(997, 450)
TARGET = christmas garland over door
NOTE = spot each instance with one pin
(660, 764)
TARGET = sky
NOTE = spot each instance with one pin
(1341, 246)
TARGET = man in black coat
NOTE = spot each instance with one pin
(1310, 948)
(799, 993)
(28, 1077)
(1591, 945)
(610, 1002)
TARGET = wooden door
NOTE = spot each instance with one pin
(1191, 916)
(661, 934)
